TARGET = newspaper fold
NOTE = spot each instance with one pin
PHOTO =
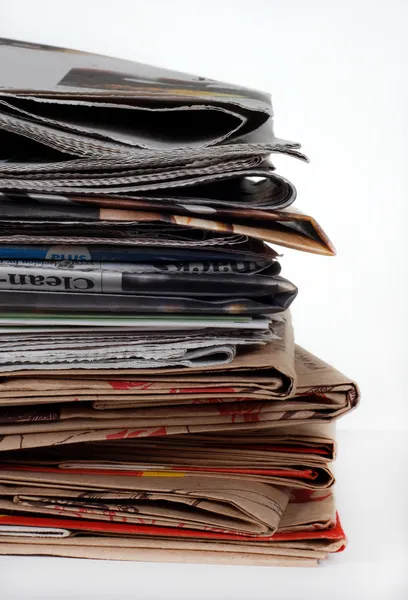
(294, 456)
(72, 99)
(309, 519)
(224, 505)
(182, 147)
(322, 395)
(301, 548)
(287, 227)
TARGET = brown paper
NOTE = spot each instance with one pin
(254, 508)
(322, 395)
(230, 504)
(149, 555)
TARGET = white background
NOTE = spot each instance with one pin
(337, 70)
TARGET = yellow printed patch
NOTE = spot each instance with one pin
(161, 474)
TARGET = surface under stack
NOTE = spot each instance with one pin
(153, 403)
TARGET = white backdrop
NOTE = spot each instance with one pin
(338, 83)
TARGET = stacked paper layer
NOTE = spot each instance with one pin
(153, 402)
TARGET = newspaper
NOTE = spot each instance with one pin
(40, 81)
(286, 227)
(277, 349)
(105, 138)
(153, 403)
(307, 528)
(322, 395)
(191, 267)
(75, 278)
(18, 322)
(123, 352)
(295, 456)
(244, 185)
(227, 505)
(214, 505)
(152, 349)
(20, 531)
(251, 251)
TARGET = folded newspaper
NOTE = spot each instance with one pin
(153, 402)
(91, 139)
(35, 413)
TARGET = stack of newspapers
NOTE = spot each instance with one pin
(153, 402)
